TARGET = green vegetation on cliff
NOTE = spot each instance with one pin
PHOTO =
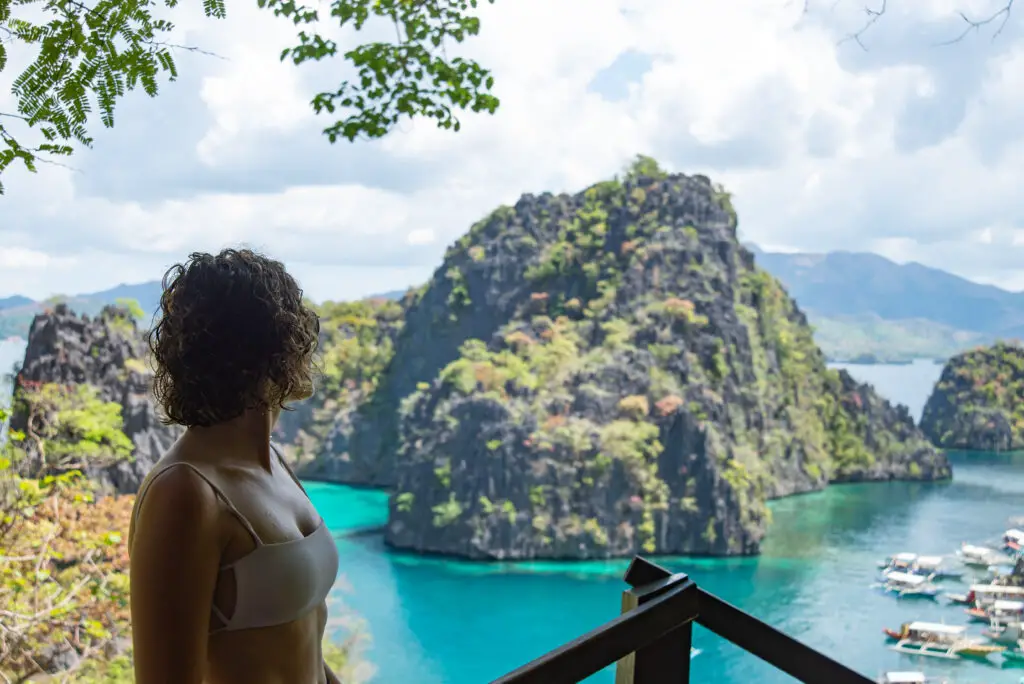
(63, 556)
(607, 373)
(978, 402)
(356, 344)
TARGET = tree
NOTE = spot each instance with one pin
(995, 20)
(90, 53)
(63, 580)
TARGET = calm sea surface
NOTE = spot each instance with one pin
(434, 621)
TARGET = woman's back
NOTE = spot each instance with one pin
(230, 563)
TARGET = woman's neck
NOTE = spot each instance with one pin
(245, 439)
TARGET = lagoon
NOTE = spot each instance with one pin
(436, 620)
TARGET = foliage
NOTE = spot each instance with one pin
(356, 342)
(63, 565)
(356, 346)
(978, 402)
(68, 428)
(88, 57)
(130, 305)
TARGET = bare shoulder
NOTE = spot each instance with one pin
(175, 501)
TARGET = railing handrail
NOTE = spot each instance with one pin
(675, 605)
(668, 602)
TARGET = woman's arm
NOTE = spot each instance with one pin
(175, 552)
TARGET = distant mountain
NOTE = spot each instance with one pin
(17, 312)
(394, 295)
(865, 306)
(15, 300)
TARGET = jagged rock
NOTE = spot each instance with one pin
(356, 344)
(609, 373)
(978, 402)
(107, 353)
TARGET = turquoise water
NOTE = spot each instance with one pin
(435, 620)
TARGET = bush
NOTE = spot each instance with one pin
(63, 565)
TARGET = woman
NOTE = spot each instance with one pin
(230, 563)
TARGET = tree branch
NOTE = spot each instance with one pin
(873, 16)
(976, 24)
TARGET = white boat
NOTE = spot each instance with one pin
(1000, 610)
(1013, 539)
(909, 678)
(941, 641)
(905, 585)
(926, 566)
(979, 556)
(1005, 633)
(982, 595)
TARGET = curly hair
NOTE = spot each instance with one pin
(233, 334)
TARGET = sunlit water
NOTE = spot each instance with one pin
(435, 620)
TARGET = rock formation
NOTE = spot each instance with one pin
(356, 344)
(609, 373)
(978, 402)
(105, 352)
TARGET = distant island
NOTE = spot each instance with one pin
(978, 402)
(863, 308)
(17, 312)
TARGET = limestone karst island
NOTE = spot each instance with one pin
(650, 342)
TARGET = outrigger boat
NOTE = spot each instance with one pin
(906, 585)
(940, 641)
(1001, 611)
(908, 678)
(1016, 656)
(1006, 633)
(985, 594)
(925, 566)
(979, 556)
(1013, 539)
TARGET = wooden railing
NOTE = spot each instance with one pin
(651, 639)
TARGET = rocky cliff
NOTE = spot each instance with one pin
(356, 344)
(607, 373)
(105, 353)
(978, 402)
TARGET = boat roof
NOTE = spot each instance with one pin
(996, 589)
(904, 677)
(906, 578)
(971, 548)
(936, 627)
(1008, 605)
(930, 561)
(905, 556)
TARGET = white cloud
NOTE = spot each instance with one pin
(908, 149)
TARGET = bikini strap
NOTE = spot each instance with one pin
(285, 464)
(216, 490)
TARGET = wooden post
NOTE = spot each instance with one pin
(625, 667)
(667, 660)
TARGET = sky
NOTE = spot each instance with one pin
(904, 144)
